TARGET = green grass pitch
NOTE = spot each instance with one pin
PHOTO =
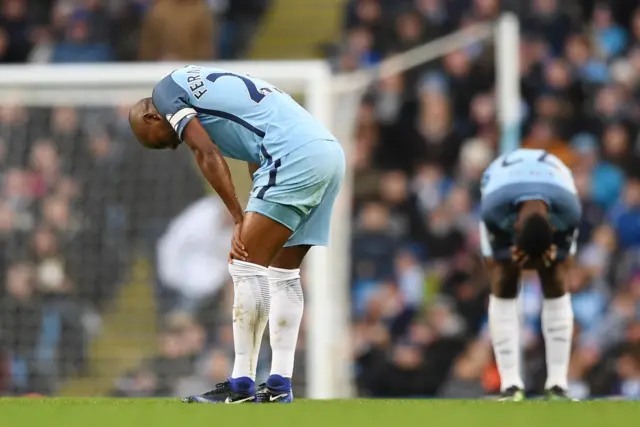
(352, 413)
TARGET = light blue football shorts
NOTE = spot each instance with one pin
(299, 190)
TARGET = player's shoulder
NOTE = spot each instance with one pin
(166, 91)
(172, 84)
(186, 84)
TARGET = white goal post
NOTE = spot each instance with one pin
(332, 99)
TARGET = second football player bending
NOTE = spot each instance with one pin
(530, 214)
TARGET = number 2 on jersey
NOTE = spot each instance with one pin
(255, 94)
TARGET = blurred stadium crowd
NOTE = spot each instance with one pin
(78, 197)
(63, 31)
(423, 141)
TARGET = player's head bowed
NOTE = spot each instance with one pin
(534, 235)
(150, 128)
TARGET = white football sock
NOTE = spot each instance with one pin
(505, 337)
(250, 315)
(287, 305)
(557, 328)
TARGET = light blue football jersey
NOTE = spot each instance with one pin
(247, 118)
(526, 166)
(528, 174)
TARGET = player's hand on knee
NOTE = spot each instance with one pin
(518, 256)
(238, 250)
(550, 256)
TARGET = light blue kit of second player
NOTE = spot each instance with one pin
(302, 165)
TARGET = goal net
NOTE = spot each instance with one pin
(103, 241)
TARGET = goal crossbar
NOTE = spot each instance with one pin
(119, 83)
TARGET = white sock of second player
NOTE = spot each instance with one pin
(504, 326)
(557, 328)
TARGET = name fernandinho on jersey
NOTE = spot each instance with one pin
(196, 85)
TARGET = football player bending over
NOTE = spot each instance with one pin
(530, 213)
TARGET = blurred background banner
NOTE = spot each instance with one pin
(112, 258)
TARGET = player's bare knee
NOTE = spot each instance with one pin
(505, 289)
(554, 280)
(504, 278)
(290, 258)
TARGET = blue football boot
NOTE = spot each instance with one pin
(277, 389)
(234, 390)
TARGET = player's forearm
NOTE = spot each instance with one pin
(216, 171)
(213, 166)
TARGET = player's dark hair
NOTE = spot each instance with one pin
(535, 236)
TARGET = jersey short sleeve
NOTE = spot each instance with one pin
(173, 102)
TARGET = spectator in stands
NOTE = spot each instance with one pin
(127, 18)
(14, 128)
(589, 295)
(628, 369)
(45, 167)
(608, 107)
(436, 14)
(436, 139)
(178, 30)
(617, 146)
(373, 244)
(430, 186)
(359, 50)
(8, 237)
(482, 122)
(551, 21)
(405, 221)
(606, 179)
(242, 19)
(69, 138)
(610, 36)
(634, 27)
(369, 16)
(588, 68)
(57, 214)
(49, 263)
(83, 34)
(409, 31)
(626, 216)
(18, 194)
(21, 312)
(15, 32)
(63, 332)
